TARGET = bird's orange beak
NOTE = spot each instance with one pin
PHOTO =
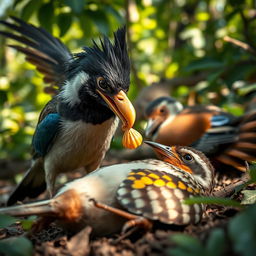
(153, 123)
(121, 106)
(164, 153)
(168, 154)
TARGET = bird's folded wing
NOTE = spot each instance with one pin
(47, 53)
(221, 132)
(156, 195)
(45, 133)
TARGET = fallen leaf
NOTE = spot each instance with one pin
(249, 197)
(78, 245)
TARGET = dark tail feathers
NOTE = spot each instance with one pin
(32, 185)
(244, 149)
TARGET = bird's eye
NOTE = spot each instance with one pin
(102, 83)
(188, 158)
(162, 110)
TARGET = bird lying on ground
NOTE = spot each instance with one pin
(224, 138)
(75, 127)
(148, 189)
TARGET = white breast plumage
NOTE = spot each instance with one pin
(71, 146)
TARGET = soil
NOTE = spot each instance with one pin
(53, 240)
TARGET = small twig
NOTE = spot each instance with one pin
(228, 190)
(239, 43)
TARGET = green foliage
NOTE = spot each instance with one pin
(16, 246)
(241, 231)
(212, 200)
(27, 223)
(167, 39)
(6, 221)
(187, 245)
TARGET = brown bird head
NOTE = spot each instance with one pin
(187, 159)
(158, 111)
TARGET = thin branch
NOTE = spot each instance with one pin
(228, 190)
(239, 43)
(246, 24)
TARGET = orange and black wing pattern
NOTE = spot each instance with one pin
(158, 195)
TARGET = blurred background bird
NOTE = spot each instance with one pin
(75, 127)
(225, 138)
(153, 189)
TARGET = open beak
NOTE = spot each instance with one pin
(152, 126)
(121, 106)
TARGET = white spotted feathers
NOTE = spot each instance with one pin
(159, 195)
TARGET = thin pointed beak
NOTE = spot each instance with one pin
(160, 149)
(121, 106)
(168, 154)
(152, 125)
(165, 153)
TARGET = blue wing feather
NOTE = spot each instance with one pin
(221, 133)
(45, 133)
(219, 120)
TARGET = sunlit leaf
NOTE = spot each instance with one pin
(76, 5)
(64, 23)
(100, 19)
(30, 8)
(249, 196)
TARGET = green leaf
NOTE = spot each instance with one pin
(112, 11)
(186, 245)
(253, 173)
(212, 200)
(100, 19)
(85, 24)
(216, 243)
(77, 6)
(27, 224)
(247, 89)
(6, 220)
(204, 64)
(30, 8)
(242, 231)
(249, 196)
(16, 246)
(64, 23)
(46, 15)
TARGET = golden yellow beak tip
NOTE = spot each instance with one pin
(123, 108)
(132, 139)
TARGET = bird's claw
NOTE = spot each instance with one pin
(140, 222)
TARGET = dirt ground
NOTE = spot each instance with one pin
(53, 240)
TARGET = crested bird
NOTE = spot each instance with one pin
(224, 138)
(148, 189)
(76, 126)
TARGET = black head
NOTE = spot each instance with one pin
(106, 65)
(98, 79)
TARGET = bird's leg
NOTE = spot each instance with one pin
(50, 177)
(134, 220)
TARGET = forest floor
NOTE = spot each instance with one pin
(53, 240)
